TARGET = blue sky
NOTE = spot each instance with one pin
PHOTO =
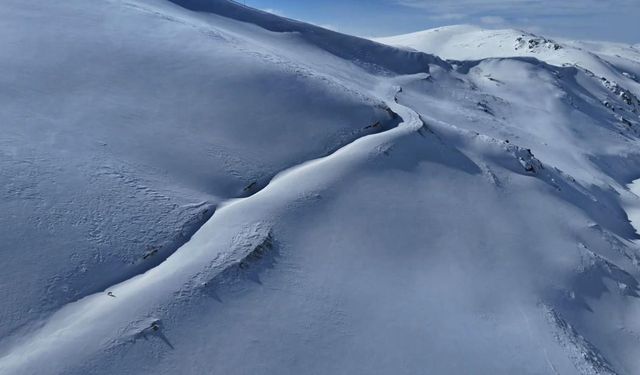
(615, 20)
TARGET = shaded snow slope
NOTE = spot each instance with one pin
(469, 218)
(360, 51)
(123, 127)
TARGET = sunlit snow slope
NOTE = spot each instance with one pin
(357, 208)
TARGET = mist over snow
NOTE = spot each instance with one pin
(202, 187)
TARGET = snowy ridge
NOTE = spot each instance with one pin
(366, 220)
(76, 183)
(345, 46)
(106, 317)
(615, 62)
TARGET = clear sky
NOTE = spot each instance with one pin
(614, 20)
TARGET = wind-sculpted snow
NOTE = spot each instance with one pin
(348, 218)
(613, 62)
(117, 122)
(102, 318)
(364, 52)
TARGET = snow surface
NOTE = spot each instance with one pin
(357, 208)
(633, 205)
(614, 61)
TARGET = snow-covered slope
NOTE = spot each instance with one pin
(617, 63)
(597, 80)
(377, 210)
(125, 123)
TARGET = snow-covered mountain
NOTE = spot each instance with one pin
(195, 186)
(617, 63)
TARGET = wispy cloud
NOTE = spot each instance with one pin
(492, 20)
(521, 8)
(577, 19)
(599, 19)
(448, 17)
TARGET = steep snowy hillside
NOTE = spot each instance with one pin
(125, 124)
(357, 208)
